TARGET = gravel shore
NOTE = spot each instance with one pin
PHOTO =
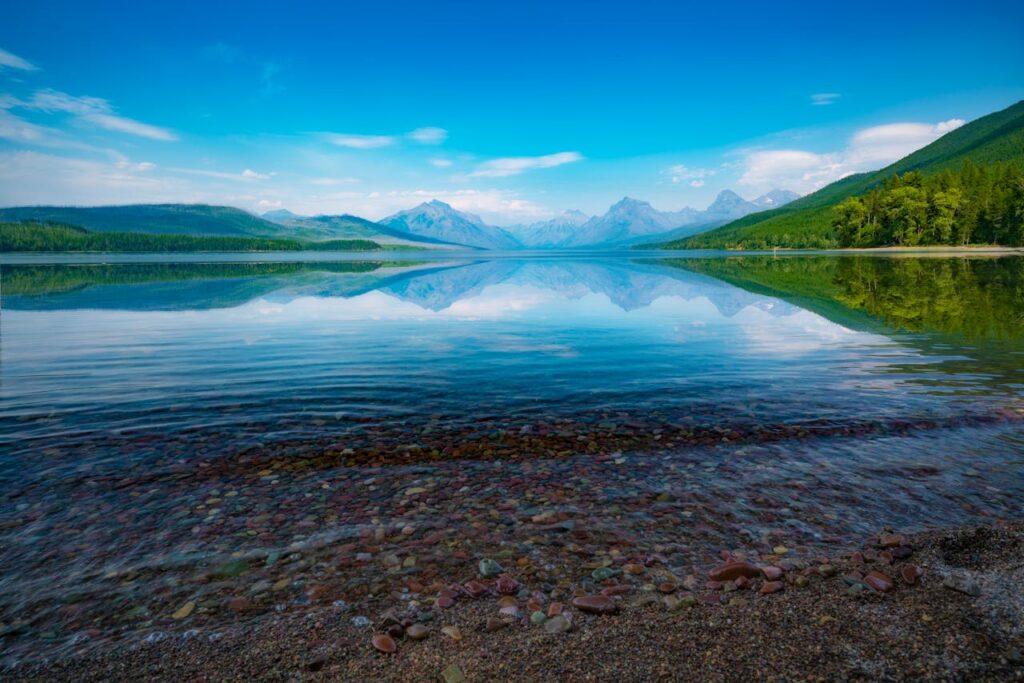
(953, 610)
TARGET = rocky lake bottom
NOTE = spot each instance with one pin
(195, 452)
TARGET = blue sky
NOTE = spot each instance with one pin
(515, 111)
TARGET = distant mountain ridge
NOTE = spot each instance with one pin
(627, 222)
(441, 221)
(631, 221)
(347, 226)
(173, 219)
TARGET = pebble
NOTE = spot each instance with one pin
(879, 581)
(453, 674)
(475, 589)
(557, 624)
(417, 631)
(733, 570)
(184, 611)
(910, 573)
(538, 617)
(452, 632)
(494, 624)
(771, 573)
(595, 604)
(384, 643)
(962, 585)
(772, 587)
(488, 568)
(506, 585)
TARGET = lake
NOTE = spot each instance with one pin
(189, 447)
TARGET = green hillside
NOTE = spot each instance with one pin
(38, 237)
(174, 219)
(807, 222)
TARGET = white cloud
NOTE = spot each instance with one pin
(140, 167)
(441, 163)
(884, 144)
(869, 149)
(19, 130)
(246, 175)
(12, 61)
(508, 166)
(823, 99)
(360, 141)
(94, 110)
(681, 173)
(697, 183)
(268, 204)
(429, 135)
(28, 177)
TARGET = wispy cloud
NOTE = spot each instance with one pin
(93, 110)
(823, 99)
(354, 141)
(680, 174)
(509, 166)
(330, 182)
(246, 175)
(429, 135)
(440, 162)
(867, 150)
(9, 60)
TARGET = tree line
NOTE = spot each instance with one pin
(48, 237)
(972, 205)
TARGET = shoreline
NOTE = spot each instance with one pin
(953, 609)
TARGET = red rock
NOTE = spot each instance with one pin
(554, 609)
(444, 602)
(885, 557)
(713, 585)
(733, 570)
(595, 604)
(902, 552)
(384, 643)
(772, 587)
(857, 558)
(620, 589)
(239, 604)
(771, 573)
(475, 589)
(910, 573)
(414, 586)
(506, 585)
(879, 581)
(667, 587)
(711, 599)
(742, 583)
(890, 540)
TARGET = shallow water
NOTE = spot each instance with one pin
(292, 433)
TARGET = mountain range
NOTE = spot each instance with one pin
(433, 224)
(627, 222)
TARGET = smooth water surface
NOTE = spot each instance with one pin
(159, 421)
